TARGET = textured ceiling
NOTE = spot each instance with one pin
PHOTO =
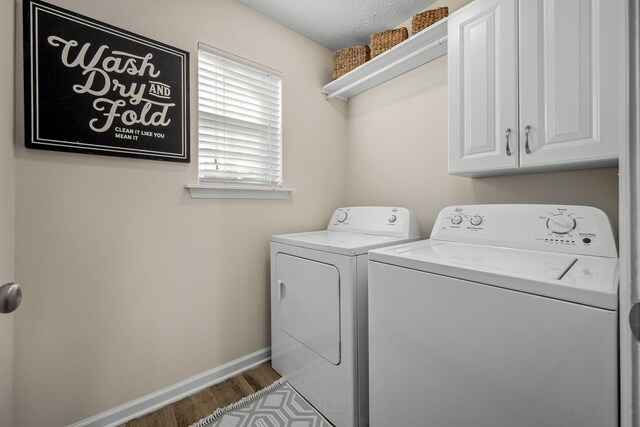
(339, 23)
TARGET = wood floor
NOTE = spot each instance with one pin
(195, 407)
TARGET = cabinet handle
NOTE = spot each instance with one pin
(507, 135)
(526, 139)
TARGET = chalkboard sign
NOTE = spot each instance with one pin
(94, 88)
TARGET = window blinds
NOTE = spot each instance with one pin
(239, 120)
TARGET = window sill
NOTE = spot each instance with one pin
(213, 191)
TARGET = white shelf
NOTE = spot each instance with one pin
(417, 50)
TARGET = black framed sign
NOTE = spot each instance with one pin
(94, 88)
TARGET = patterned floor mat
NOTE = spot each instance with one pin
(278, 405)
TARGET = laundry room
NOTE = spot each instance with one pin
(146, 280)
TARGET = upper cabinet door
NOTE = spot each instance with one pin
(571, 89)
(483, 116)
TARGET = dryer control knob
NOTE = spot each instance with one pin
(342, 216)
(476, 220)
(456, 219)
(393, 218)
(561, 224)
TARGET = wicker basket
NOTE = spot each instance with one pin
(422, 20)
(387, 39)
(345, 60)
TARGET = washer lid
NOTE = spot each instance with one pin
(339, 242)
(576, 278)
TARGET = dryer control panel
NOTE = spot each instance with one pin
(569, 229)
(376, 220)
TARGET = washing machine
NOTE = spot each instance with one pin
(319, 307)
(506, 316)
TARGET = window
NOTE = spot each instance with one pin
(239, 121)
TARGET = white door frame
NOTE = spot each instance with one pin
(630, 231)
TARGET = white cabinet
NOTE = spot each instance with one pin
(535, 85)
(483, 87)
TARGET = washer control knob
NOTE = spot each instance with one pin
(561, 224)
(456, 219)
(392, 218)
(342, 216)
(476, 220)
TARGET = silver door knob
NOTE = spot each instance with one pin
(10, 297)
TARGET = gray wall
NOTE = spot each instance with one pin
(132, 285)
(7, 206)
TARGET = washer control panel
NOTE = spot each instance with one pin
(569, 229)
(376, 220)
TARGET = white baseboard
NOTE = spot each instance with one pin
(175, 392)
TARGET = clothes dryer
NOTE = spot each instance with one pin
(319, 307)
(507, 316)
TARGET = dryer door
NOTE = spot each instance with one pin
(308, 307)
